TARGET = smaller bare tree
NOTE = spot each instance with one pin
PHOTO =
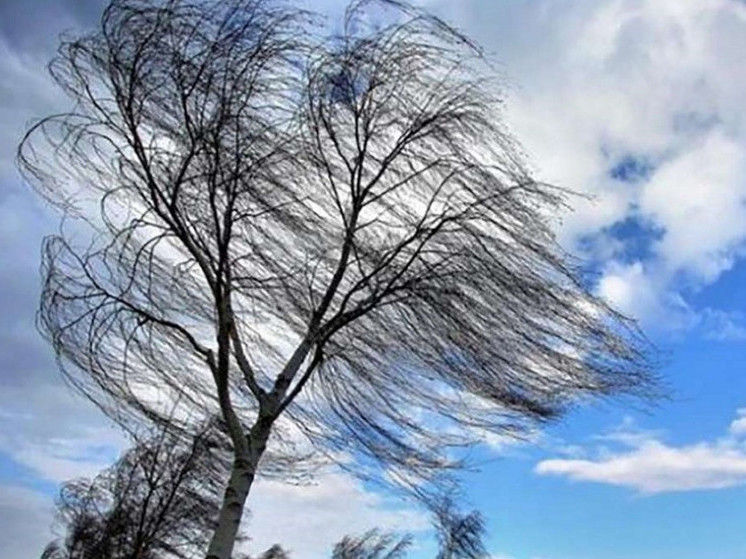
(373, 544)
(460, 535)
(160, 499)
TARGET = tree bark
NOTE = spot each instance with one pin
(241, 479)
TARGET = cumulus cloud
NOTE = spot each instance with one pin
(629, 288)
(705, 226)
(648, 465)
(637, 103)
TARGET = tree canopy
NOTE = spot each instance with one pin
(331, 232)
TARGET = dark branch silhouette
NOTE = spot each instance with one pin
(159, 500)
(336, 234)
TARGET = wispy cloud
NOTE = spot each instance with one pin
(60, 459)
(727, 326)
(649, 465)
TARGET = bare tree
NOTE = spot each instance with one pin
(331, 233)
(374, 544)
(460, 536)
(159, 500)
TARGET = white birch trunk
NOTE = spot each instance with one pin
(241, 479)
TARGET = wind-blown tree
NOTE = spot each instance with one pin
(159, 500)
(373, 544)
(334, 234)
(460, 536)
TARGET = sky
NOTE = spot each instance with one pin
(636, 103)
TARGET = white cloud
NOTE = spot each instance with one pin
(738, 427)
(309, 519)
(630, 289)
(656, 80)
(639, 290)
(650, 466)
(60, 459)
(699, 198)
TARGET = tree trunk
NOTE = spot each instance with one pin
(241, 479)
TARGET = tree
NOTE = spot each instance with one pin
(332, 233)
(459, 535)
(159, 500)
(373, 544)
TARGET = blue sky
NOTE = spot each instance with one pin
(638, 103)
